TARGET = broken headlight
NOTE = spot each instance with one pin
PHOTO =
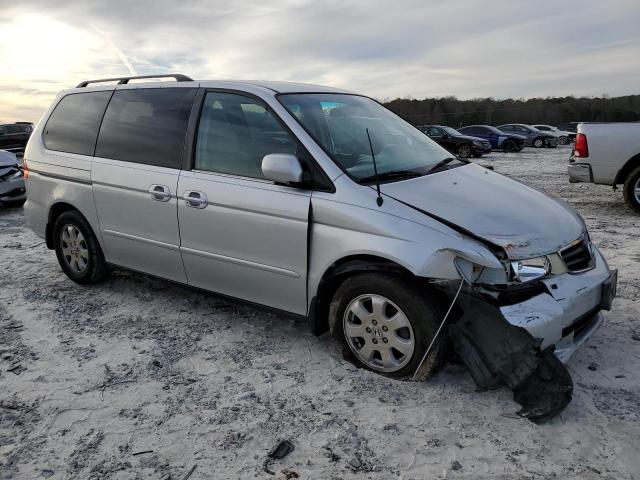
(530, 269)
(474, 273)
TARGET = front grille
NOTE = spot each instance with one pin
(577, 256)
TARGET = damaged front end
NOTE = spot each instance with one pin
(517, 327)
(498, 353)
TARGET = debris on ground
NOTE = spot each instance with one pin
(278, 452)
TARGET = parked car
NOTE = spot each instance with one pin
(535, 137)
(608, 154)
(322, 204)
(12, 190)
(462, 145)
(14, 136)
(568, 126)
(508, 142)
(563, 136)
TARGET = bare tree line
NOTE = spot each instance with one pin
(453, 112)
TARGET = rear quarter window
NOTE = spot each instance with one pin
(146, 126)
(74, 123)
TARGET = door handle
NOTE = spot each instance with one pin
(195, 199)
(160, 193)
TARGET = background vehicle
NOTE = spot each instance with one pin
(564, 136)
(462, 145)
(508, 142)
(608, 154)
(12, 189)
(535, 137)
(568, 126)
(14, 136)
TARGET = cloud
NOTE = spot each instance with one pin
(384, 49)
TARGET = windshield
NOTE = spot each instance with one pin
(339, 123)
(451, 131)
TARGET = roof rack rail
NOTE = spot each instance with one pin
(124, 80)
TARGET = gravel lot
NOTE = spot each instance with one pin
(92, 377)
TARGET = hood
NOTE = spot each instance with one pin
(7, 159)
(524, 221)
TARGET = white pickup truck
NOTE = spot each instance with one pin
(608, 154)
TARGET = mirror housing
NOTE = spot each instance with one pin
(282, 168)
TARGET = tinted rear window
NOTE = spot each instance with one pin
(73, 125)
(146, 126)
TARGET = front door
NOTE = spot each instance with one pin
(135, 178)
(242, 235)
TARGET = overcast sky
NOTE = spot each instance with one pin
(385, 49)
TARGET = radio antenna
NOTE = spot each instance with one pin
(379, 200)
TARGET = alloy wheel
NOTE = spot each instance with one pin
(464, 151)
(378, 332)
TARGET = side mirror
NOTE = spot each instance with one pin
(282, 168)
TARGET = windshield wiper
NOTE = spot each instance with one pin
(441, 164)
(391, 175)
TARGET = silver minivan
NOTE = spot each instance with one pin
(319, 203)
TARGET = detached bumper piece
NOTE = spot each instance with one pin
(498, 353)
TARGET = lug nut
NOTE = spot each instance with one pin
(368, 330)
(385, 339)
(375, 341)
(375, 322)
(384, 329)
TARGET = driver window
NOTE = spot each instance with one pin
(235, 133)
(435, 132)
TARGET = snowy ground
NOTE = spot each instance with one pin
(92, 377)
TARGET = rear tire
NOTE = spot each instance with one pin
(563, 140)
(631, 190)
(509, 146)
(397, 325)
(77, 248)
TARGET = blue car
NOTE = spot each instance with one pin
(508, 142)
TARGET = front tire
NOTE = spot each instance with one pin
(77, 248)
(563, 140)
(464, 151)
(387, 324)
(538, 142)
(631, 190)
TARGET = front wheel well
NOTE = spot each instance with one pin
(55, 211)
(336, 274)
(628, 167)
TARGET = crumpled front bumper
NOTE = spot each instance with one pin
(569, 314)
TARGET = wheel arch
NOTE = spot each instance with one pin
(336, 274)
(628, 167)
(55, 211)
